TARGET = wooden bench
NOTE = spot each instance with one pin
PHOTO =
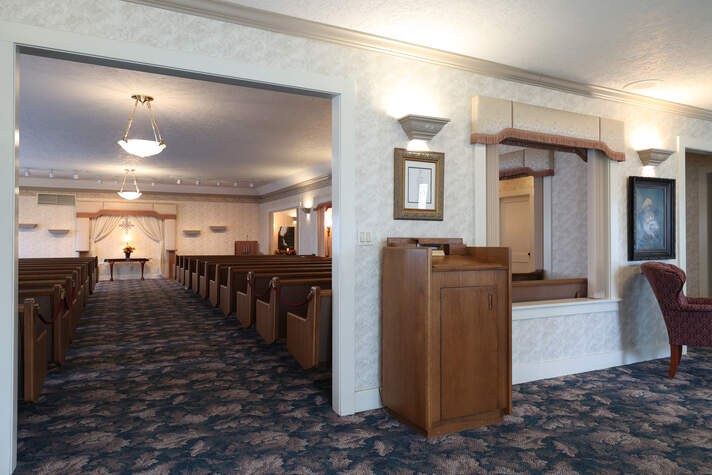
(237, 278)
(309, 333)
(284, 296)
(34, 354)
(257, 285)
(537, 290)
(52, 311)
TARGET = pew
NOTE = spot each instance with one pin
(34, 351)
(285, 295)
(309, 333)
(236, 276)
(51, 313)
(257, 286)
(73, 299)
(92, 265)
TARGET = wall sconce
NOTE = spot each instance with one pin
(306, 207)
(422, 127)
(654, 156)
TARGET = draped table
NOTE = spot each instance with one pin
(140, 260)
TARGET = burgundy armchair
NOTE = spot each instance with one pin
(688, 320)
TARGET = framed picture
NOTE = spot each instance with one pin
(651, 218)
(418, 185)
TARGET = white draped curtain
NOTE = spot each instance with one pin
(104, 225)
(154, 229)
(101, 228)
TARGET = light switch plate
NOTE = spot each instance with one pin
(365, 238)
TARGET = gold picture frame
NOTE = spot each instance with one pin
(418, 189)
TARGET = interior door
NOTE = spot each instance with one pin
(516, 221)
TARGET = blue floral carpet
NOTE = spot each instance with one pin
(157, 381)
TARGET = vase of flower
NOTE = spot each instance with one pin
(128, 250)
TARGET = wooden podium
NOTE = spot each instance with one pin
(446, 334)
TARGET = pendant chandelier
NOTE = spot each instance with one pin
(129, 195)
(141, 147)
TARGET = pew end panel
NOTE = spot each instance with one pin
(309, 336)
(34, 352)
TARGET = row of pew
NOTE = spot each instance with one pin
(286, 297)
(52, 293)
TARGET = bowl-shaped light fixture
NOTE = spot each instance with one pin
(129, 195)
(142, 147)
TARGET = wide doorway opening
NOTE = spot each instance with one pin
(197, 231)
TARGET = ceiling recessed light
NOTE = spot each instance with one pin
(51, 173)
(197, 182)
(179, 181)
(235, 184)
(75, 176)
(218, 183)
(99, 181)
(27, 172)
(643, 84)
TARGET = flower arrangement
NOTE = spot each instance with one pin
(128, 249)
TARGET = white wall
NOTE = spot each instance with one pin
(388, 87)
(39, 242)
(193, 212)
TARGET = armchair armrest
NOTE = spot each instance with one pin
(699, 301)
(696, 308)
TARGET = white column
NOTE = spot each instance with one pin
(9, 140)
(479, 176)
(169, 234)
(81, 235)
(599, 238)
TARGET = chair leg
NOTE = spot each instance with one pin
(675, 356)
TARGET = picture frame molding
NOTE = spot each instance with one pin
(400, 156)
(669, 227)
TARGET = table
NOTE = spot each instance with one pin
(140, 260)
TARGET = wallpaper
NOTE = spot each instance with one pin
(569, 222)
(388, 87)
(39, 242)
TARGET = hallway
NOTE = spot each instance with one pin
(158, 381)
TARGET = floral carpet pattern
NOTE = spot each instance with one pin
(157, 381)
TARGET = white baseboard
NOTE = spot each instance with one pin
(368, 399)
(525, 372)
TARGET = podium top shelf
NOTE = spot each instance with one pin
(444, 263)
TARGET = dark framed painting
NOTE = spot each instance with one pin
(418, 185)
(651, 218)
(285, 238)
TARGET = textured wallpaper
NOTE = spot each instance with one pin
(569, 221)
(39, 242)
(389, 87)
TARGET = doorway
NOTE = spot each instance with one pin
(698, 173)
(341, 93)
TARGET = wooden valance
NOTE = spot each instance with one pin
(562, 143)
(124, 212)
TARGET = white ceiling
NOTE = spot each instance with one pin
(603, 42)
(72, 114)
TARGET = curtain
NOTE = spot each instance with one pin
(103, 226)
(154, 229)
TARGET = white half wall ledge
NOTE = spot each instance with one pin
(561, 308)
(527, 372)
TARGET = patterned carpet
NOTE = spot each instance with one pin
(157, 381)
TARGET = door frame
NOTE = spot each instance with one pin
(342, 92)
(703, 202)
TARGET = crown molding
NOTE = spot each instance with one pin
(276, 22)
(303, 187)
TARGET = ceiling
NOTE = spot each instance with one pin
(72, 114)
(606, 43)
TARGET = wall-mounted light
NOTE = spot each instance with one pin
(306, 207)
(179, 181)
(654, 156)
(422, 127)
(197, 182)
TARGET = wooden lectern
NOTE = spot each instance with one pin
(446, 334)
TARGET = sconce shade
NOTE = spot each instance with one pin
(654, 156)
(421, 127)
